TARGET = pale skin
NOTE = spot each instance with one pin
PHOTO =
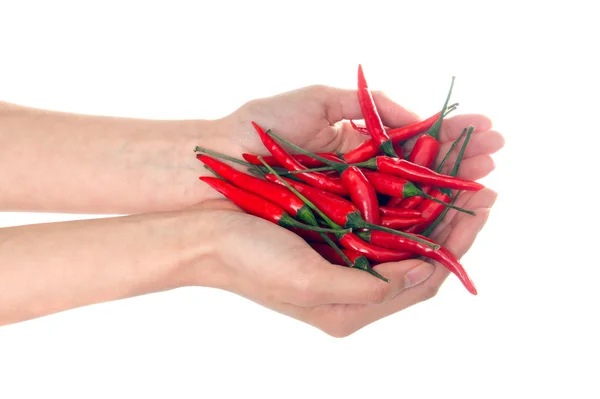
(181, 232)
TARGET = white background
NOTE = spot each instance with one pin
(531, 331)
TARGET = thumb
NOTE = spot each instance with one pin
(342, 285)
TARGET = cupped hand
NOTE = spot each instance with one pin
(275, 268)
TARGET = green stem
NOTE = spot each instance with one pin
(434, 131)
(214, 172)
(289, 221)
(441, 217)
(452, 147)
(461, 153)
(448, 205)
(223, 156)
(320, 169)
(340, 166)
(312, 206)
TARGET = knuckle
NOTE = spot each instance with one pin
(303, 291)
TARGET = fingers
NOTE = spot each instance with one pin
(343, 104)
(474, 168)
(484, 143)
(483, 199)
(452, 127)
(331, 284)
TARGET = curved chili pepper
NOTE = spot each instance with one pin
(368, 149)
(257, 206)
(319, 180)
(333, 257)
(418, 174)
(340, 210)
(396, 186)
(362, 194)
(303, 159)
(272, 192)
(396, 202)
(373, 252)
(427, 146)
(395, 222)
(372, 118)
(444, 256)
(398, 212)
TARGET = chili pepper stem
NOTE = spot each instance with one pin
(288, 221)
(312, 206)
(363, 264)
(448, 205)
(452, 147)
(434, 131)
(360, 265)
(461, 153)
(214, 172)
(356, 221)
(439, 219)
(339, 166)
(223, 156)
(320, 169)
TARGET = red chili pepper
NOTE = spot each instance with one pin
(368, 149)
(269, 191)
(418, 174)
(395, 222)
(396, 202)
(425, 151)
(311, 236)
(413, 202)
(430, 210)
(371, 116)
(257, 206)
(319, 180)
(399, 150)
(444, 256)
(396, 186)
(303, 159)
(338, 209)
(427, 146)
(373, 252)
(332, 256)
(398, 212)
(362, 194)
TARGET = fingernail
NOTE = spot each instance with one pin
(418, 274)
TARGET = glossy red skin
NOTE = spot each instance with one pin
(425, 151)
(423, 175)
(315, 179)
(442, 255)
(396, 202)
(430, 210)
(305, 160)
(413, 202)
(334, 206)
(399, 212)
(362, 193)
(395, 222)
(278, 195)
(386, 184)
(368, 149)
(373, 252)
(332, 256)
(252, 204)
(371, 117)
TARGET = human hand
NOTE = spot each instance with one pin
(294, 279)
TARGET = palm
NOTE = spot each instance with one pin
(316, 118)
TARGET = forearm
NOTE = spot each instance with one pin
(49, 268)
(60, 162)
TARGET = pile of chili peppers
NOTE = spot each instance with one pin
(367, 206)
